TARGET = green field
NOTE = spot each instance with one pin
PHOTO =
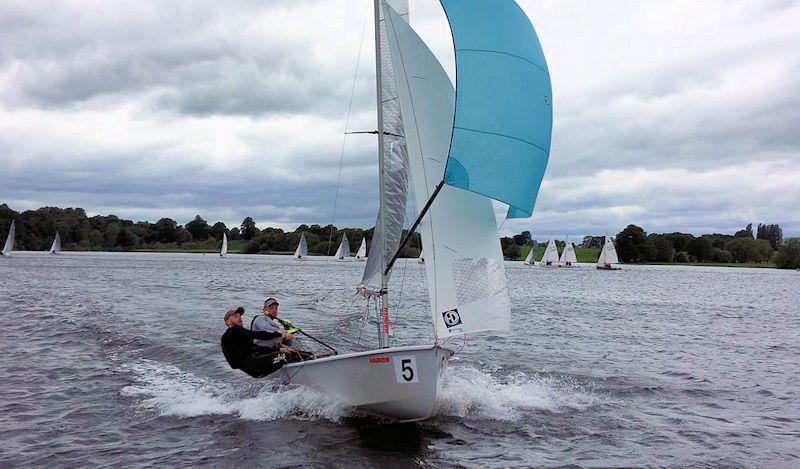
(588, 255)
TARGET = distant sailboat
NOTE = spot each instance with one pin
(550, 257)
(362, 250)
(9, 246)
(608, 257)
(421, 258)
(56, 247)
(531, 259)
(568, 255)
(224, 251)
(344, 250)
(302, 248)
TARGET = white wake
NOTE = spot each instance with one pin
(172, 392)
(470, 392)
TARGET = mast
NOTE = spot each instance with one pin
(383, 319)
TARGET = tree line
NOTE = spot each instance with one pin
(36, 229)
(634, 245)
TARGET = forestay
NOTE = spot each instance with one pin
(463, 260)
(503, 119)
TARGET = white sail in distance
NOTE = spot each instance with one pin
(224, 251)
(9, 246)
(568, 254)
(344, 249)
(362, 250)
(531, 258)
(550, 254)
(421, 258)
(56, 246)
(302, 248)
(609, 254)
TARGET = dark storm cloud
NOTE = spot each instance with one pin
(671, 116)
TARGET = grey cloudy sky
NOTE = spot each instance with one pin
(676, 116)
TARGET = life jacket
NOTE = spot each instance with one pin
(268, 324)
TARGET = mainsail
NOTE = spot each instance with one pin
(550, 256)
(344, 249)
(224, 251)
(9, 246)
(56, 247)
(568, 254)
(302, 248)
(393, 158)
(362, 250)
(608, 255)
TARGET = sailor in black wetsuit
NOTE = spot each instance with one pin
(241, 353)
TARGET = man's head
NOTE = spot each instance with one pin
(271, 307)
(233, 318)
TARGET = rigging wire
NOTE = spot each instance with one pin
(344, 138)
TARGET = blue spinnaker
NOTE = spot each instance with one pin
(504, 115)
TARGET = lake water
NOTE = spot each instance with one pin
(114, 359)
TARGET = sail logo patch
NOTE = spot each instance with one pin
(451, 318)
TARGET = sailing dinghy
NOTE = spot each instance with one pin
(56, 247)
(531, 258)
(421, 258)
(550, 257)
(9, 246)
(301, 253)
(608, 257)
(455, 151)
(362, 250)
(568, 258)
(344, 250)
(224, 251)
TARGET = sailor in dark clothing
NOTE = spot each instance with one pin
(241, 353)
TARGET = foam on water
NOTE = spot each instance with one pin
(469, 392)
(172, 392)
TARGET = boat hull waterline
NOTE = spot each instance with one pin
(401, 383)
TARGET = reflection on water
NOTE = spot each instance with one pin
(111, 358)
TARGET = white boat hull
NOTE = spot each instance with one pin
(401, 383)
